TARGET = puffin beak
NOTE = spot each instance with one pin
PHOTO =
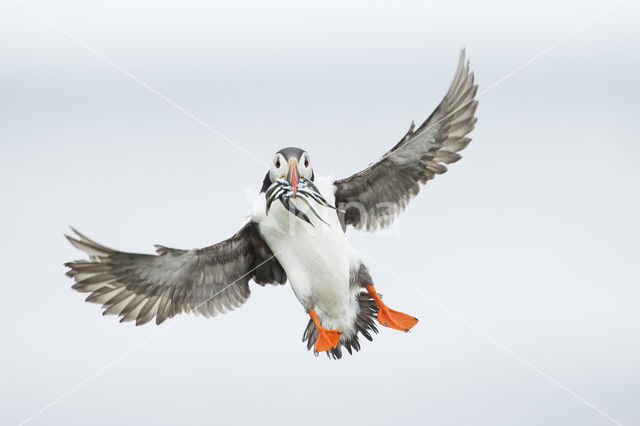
(293, 175)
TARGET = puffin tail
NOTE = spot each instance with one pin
(365, 323)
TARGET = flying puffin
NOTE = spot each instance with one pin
(296, 232)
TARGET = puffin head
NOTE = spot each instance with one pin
(292, 164)
(290, 178)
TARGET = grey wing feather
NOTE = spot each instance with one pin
(374, 197)
(141, 287)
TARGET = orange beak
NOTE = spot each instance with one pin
(293, 175)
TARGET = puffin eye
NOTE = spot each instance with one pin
(277, 163)
(306, 161)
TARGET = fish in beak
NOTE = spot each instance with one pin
(294, 186)
(293, 177)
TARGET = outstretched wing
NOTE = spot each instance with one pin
(207, 281)
(374, 197)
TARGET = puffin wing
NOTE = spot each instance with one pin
(374, 197)
(207, 281)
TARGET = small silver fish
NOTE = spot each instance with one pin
(286, 202)
(304, 198)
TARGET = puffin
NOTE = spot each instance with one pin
(296, 233)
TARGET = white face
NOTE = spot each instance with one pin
(280, 167)
(304, 165)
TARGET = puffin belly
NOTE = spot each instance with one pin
(318, 259)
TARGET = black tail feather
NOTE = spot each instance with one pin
(365, 324)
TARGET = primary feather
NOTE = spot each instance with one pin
(207, 281)
(374, 197)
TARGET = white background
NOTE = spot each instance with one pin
(532, 238)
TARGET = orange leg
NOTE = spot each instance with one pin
(327, 339)
(390, 318)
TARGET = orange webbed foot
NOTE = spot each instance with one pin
(389, 317)
(395, 319)
(327, 339)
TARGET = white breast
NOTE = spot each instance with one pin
(318, 259)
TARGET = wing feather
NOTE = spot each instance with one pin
(141, 287)
(374, 197)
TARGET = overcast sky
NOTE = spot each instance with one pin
(522, 262)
